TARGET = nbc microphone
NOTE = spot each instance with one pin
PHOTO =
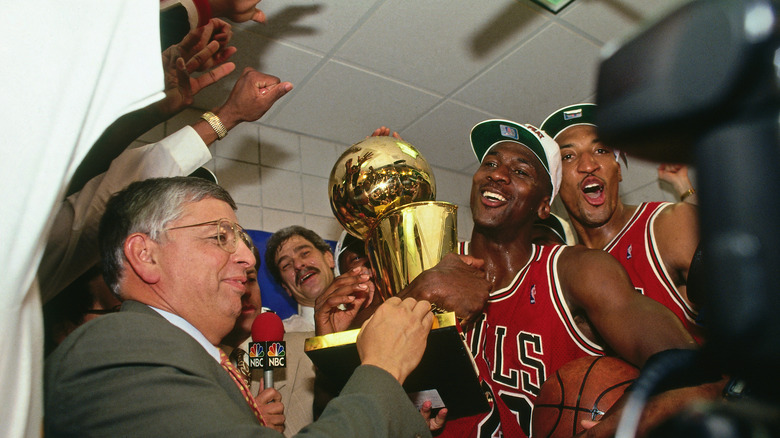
(267, 349)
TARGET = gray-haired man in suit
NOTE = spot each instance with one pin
(172, 251)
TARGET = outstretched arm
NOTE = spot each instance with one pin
(246, 102)
(677, 226)
(457, 283)
(634, 326)
(202, 49)
(252, 96)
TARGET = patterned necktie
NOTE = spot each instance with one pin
(242, 385)
(237, 359)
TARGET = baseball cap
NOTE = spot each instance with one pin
(346, 242)
(568, 116)
(574, 115)
(488, 133)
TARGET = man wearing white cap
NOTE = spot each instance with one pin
(654, 241)
(549, 304)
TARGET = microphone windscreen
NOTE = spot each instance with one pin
(267, 327)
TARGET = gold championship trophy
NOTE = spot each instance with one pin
(383, 192)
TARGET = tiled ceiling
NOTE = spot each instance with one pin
(429, 69)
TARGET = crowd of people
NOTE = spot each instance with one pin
(149, 289)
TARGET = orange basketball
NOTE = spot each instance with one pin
(582, 389)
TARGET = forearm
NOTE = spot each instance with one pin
(205, 132)
(658, 328)
(71, 246)
(116, 138)
(689, 195)
(684, 189)
(658, 408)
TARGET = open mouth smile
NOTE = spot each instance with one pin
(492, 196)
(593, 190)
(305, 275)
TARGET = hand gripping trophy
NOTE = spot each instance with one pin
(383, 192)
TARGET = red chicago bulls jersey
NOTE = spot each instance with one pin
(526, 333)
(635, 248)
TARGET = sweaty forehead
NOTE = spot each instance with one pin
(514, 151)
(577, 136)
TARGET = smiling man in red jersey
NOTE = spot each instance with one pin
(549, 304)
(654, 241)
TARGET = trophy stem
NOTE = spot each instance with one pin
(408, 240)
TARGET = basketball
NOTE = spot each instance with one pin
(583, 389)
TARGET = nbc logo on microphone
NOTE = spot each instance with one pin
(256, 354)
(276, 354)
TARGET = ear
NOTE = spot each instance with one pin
(543, 211)
(142, 254)
(329, 259)
(620, 172)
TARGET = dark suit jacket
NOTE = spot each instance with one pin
(134, 374)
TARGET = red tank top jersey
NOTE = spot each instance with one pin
(636, 249)
(526, 333)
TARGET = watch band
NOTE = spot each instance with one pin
(215, 123)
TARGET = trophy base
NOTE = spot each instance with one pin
(446, 375)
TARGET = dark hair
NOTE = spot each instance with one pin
(146, 207)
(278, 238)
(256, 253)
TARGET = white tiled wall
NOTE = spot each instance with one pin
(279, 178)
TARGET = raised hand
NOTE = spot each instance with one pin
(192, 45)
(197, 52)
(253, 94)
(677, 176)
(237, 10)
(384, 131)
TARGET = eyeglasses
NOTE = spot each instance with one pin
(227, 234)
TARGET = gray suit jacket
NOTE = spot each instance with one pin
(295, 382)
(134, 374)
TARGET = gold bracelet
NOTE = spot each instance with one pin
(215, 123)
(687, 193)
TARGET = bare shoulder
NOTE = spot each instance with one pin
(680, 216)
(677, 235)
